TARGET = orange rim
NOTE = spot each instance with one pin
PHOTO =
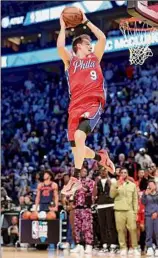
(133, 19)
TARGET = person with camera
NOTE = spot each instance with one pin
(150, 201)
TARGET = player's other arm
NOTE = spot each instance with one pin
(101, 42)
(62, 51)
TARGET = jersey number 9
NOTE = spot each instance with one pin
(93, 75)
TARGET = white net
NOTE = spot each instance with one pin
(138, 35)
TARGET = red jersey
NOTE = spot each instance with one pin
(85, 81)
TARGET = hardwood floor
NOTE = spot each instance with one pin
(9, 252)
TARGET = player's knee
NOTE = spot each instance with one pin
(79, 136)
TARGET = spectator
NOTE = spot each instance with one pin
(105, 209)
(150, 201)
(83, 220)
(13, 231)
(152, 170)
(126, 206)
(143, 159)
(47, 193)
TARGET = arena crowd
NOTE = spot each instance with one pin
(34, 140)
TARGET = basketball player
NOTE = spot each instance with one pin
(88, 94)
(47, 192)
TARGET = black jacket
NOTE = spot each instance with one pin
(103, 194)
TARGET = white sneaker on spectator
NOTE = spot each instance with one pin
(123, 252)
(150, 252)
(65, 245)
(104, 249)
(156, 252)
(130, 251)
(77, 249)
(105, 246)
(136, 252)
(88, 249)
(114, 249)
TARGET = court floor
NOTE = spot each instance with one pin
(21, 253)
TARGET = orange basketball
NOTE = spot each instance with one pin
(26, 215)
(72, 16)
(34, 215)
(51, 215)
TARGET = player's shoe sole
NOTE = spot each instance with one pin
(106, 161)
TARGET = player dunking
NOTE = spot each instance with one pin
(88, 94)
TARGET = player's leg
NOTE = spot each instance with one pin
(86, 126)
(81, 151)
(78, 129)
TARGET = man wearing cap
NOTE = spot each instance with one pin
(143, 159)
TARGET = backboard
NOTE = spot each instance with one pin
(145, 10)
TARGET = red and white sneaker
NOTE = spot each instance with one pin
(106, 161)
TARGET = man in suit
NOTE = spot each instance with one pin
(125, 197)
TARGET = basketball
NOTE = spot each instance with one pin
(72, 16)
(51, 215)
(42, 215)
(34, 215)
(26, 215)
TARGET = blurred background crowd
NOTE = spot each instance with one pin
(34, 115)
(34, 125)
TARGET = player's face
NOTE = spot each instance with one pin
(85, 47)
(141, 173)
(46, 176)
(103, 173)
(83, 172)
(124, 174)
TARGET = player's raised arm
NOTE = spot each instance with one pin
(100, 45)
(63, 52)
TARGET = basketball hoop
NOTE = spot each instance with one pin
(138, 35)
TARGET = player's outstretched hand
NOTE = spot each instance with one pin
(84, 16)
(62, 23)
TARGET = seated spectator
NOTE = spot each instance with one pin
(13, 231)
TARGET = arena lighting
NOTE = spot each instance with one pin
(53, 13)
(8, 22)
(113, 44)
(120, 3)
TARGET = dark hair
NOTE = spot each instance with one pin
(151, 181)
(123, 169)
(49, 172)
(79, 40)
(66, 174)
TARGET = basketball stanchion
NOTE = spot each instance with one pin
(63, 228)
(38, 231)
